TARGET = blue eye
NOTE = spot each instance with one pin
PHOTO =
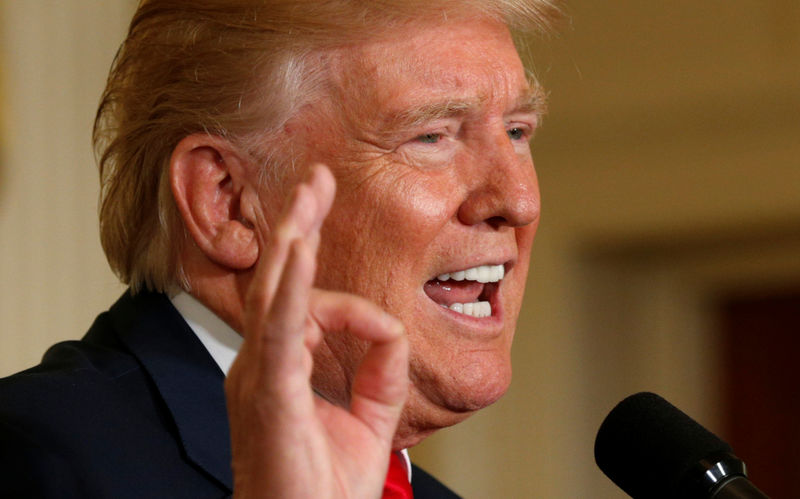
(516, 133)
(429, 138)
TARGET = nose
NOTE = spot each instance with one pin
(504, 190)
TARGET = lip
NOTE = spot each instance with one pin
(483, 327)
(507, 263)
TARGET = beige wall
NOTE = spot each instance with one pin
(53, 276)
(669, 170)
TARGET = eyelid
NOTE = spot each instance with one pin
(521, 126)
(443, 128)
(422, 138)
(532, 120)
(529, 123)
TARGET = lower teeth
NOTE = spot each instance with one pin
(477, 309)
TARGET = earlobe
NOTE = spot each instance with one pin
(208, 179)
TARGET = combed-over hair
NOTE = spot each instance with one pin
(238, 69)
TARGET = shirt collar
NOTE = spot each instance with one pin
(221, 341)
(406, 462)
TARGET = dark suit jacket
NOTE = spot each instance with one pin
(136, 409)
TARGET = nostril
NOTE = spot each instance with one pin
(497, 221)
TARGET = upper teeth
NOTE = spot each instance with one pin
(481, 273)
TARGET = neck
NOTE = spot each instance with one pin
(220, 290)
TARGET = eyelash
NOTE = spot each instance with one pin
(515, 133)
(429, 138)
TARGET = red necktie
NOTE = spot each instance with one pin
(397, 486)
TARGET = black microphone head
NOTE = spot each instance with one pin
(648, 447)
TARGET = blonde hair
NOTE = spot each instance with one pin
(233, 68)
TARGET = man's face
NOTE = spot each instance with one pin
(427, 135)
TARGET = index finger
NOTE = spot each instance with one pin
(302, 218)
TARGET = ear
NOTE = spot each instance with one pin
(208, 179)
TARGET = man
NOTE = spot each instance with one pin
(342, 193)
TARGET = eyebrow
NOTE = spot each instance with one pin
(418, 116)
(532, 100)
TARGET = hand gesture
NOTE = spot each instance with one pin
(287, 441)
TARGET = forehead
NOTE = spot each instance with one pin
(473, 61)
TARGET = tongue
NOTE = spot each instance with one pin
(449, 292)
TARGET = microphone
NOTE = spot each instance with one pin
(652, 450)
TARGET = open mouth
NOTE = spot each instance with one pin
(468, 291)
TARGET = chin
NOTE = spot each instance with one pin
(474, 378)
(478, 389)
(433, 406)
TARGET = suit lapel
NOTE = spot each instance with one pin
(188, 379)
(427, 487)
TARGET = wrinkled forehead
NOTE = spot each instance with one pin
(473, 62)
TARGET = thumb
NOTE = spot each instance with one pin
(380, 385)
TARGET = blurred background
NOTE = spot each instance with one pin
(668, 257)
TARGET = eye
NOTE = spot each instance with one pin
(516, 133)
(429, 138)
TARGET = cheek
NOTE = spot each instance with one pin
(515, 286)
(384, 224)
(524, 237)
(413, 204)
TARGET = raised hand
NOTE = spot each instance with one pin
(288, 442)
